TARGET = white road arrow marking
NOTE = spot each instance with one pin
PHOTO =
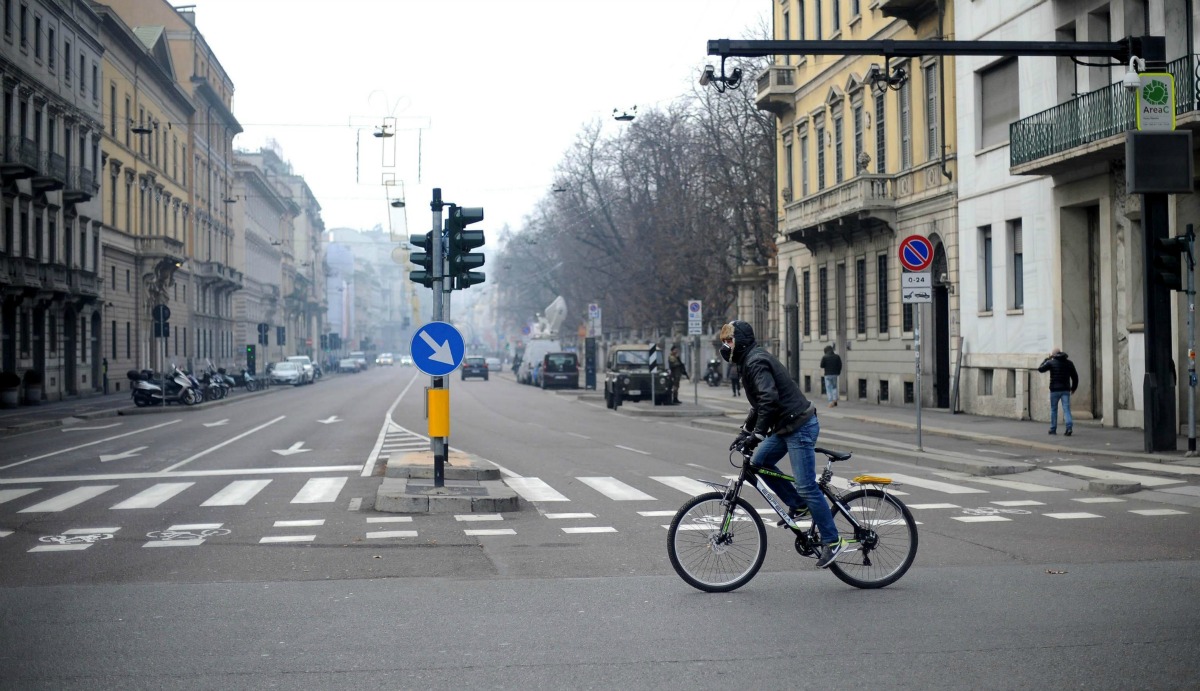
(330, 420)
(294, 448)
(441, 351)
(218, 423)
(80, 429)
(105, 458)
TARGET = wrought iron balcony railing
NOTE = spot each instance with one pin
(1094, 116)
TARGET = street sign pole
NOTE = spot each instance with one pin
(916, 289)
(439, 444)
(917, 347)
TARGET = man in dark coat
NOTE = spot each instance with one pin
(831, 364)
(1063, 382)
(781, 421)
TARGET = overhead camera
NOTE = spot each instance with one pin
(1132, 80)
(707, 75)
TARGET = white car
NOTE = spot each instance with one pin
(310, 372)
(385, 359)
(494, 364)
(287, 372)
(406, 360)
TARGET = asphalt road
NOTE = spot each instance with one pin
(236, 546)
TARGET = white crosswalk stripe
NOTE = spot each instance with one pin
(1162, 467)
(533, 489)
(615, 489)
(1102, 474)
(684, 484)
(320, 490)
(10, 494)
(934, 485)
(236, 493)
(69, 499)
(153, 497)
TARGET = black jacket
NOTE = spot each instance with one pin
(832, 364)
(1063, 376)
(776, 400)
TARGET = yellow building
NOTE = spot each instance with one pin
(866, 158)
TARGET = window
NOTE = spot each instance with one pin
(817, 18)
(806, 290)
(820, 153)
(906, 317)
(128, 120)
(7, 17)
(113, 332)
(128, 341)
(985, 268)
(112, 109)
(112, 279)
(787, 33)
(904, 99)
(804, 162)
(82, 72)
(986, 377)
(50, 54)
(880, 135)
(857, 116)
(1017, 261)
(999, 102)
(127, 282)
(67, 61)
(854, 9)
(836, 9)
(800, 17)
(838, 145)
(788, 169)
(881, 279)
(883, 390)
(823, 301)
(931, 112)
(37, 38)
(860, 296)
(24, 26)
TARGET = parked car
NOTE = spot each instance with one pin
(627, 375)
(474, 367)
(287, 372)
(348, 365)
(385, 359)
(406, 360)
(359, 357)
(559, 370)
(494, 364)
(535, 349)
(306, 364)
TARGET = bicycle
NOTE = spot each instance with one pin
(717, 541)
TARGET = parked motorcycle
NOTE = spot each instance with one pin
(147, 389)
(712, 373)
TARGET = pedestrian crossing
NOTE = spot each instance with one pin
(974, 500)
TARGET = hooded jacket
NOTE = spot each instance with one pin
(776, 400)
(1063, 376)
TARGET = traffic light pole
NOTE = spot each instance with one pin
(1191, 331)
(441, 309)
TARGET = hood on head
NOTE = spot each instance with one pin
(743, 340)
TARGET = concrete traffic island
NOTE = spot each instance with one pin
(470, 486)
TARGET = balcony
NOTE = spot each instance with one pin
(160, 247)
(20, 272)
(1091, 127)
(20, 158)
(84, 283)
(777, 89)
(81, 185)
(51, 174)
(910, 11)
(863, 203)
(217, 275)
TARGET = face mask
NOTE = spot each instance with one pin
(726, 352)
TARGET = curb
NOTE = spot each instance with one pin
(470, 486)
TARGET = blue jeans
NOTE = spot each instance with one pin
(799, 447)
(1055, 397)
(831, 387)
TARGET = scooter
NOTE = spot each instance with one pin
(712, 374)
(180, 388)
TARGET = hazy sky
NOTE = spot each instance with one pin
(487, 95)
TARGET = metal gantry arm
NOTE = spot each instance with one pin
(1117, 50)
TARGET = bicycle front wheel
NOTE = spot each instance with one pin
(715, 547)
(885, 545)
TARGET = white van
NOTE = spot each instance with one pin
(535, 350)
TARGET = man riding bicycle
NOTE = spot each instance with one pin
(781, 421)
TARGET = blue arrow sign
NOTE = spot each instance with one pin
(437, 349)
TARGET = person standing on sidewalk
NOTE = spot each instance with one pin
(735, 380)
(678, 371)
(781, 422)
(831, 363)
(1063, 382)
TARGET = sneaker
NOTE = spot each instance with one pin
(1053, 432)
(795, 515)
(829, 553)
(1068, 432)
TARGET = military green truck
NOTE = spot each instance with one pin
(627, 375)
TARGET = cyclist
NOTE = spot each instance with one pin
(781, 421)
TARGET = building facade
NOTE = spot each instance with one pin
(866, 157)
(51, 314)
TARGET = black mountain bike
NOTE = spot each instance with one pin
(717, 540)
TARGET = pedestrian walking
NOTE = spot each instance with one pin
(781, 422)
(831, 364)
(735, 380)
(1063, 382)
(677, 371)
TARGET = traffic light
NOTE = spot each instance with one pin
(280, 335)
(462, 261)
(162, 321)
(1166, 261)
(335, 341)
(324, 342)
(423, 259)
(251, 357)
(263, 329)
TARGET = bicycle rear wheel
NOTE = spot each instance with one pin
(883, 550)
(708, 558)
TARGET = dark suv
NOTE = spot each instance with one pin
(559, 370)
(475, 367)
(627, 375)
